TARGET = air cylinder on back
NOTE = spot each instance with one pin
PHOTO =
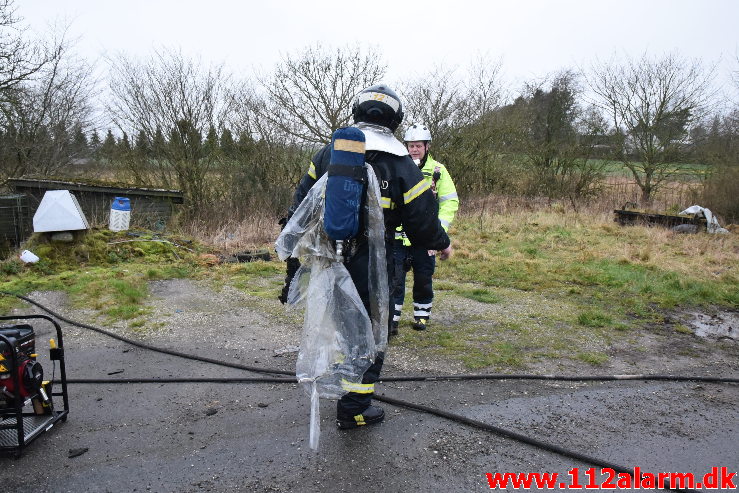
(345, 184)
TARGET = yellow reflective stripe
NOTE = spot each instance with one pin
(417, 190)
(448, 196)
(349, 145)
(312, 170)
(359, 418)
(386, 203)
(359, 388)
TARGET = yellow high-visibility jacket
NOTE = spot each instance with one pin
(446, 195)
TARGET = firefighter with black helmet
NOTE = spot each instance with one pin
(407, 201)
(408, 255)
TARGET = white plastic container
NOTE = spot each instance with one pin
(29, 257)
(120, 214)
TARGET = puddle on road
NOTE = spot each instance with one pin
(723, 325)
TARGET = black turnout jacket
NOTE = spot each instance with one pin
(407, 198)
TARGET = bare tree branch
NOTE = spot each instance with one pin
(310, 94)
(653, 104)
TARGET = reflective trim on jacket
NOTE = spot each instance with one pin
(446, 195)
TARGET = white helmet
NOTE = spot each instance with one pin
(417, 132)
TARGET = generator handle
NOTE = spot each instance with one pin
(60, 345)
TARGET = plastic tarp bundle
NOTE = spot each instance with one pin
(340, 339)
(712, 225)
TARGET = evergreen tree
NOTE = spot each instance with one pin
(142, 147)
(124, 145)
(94, 143)
(210, 147)
(158, 145)
(108, 148)
(227, 143)
(80, 147)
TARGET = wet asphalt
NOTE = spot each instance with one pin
(254, 437)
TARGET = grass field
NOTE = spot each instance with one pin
(521, 286)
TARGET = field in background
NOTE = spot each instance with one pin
(529, 280)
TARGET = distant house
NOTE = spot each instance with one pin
(150, 207)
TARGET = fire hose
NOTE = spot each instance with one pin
(390, 400)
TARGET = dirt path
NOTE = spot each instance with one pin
(253, 437)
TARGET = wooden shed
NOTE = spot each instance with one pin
(15, 221)
(151, 208)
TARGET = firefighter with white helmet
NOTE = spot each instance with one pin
(407, 256)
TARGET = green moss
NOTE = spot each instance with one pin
(682, 329)
(104, 270)
(479, 294)
(594, 318)
(595, 359)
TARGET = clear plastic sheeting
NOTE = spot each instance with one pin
(338, 344)
(712, 225)
(340, 339)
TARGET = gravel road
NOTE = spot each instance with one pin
(254, 437)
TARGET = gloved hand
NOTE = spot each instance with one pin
(293, 265)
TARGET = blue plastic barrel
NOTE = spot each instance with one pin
(120, 214)
(121, 204)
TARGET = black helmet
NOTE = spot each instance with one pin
(380, 105)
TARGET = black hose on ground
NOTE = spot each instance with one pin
(519, 437)
(514, 436)
(148, 346)
(421, 378)
(392, 401)
(408, 378)
(182, 380)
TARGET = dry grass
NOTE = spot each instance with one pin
(256, 232)
(616, 192)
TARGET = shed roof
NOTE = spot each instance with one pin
(176, 196)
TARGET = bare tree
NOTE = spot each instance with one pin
(652, 104)
(309, 94)
(180, 98)
(436, 99)
(20, 58)
(39, 116)
(485, 92)
(551, 130)
(446, 104)
(266, 163)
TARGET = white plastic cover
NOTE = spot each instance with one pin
(59, 211)
(379, 138)
(712, 225)
(340, 339)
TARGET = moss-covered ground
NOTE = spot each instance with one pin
(519, 288)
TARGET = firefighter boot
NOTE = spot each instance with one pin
(420, 324)
(393, 331)
(370, 416)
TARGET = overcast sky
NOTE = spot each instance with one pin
(532, 37)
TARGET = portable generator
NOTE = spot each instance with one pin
(26, 399)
